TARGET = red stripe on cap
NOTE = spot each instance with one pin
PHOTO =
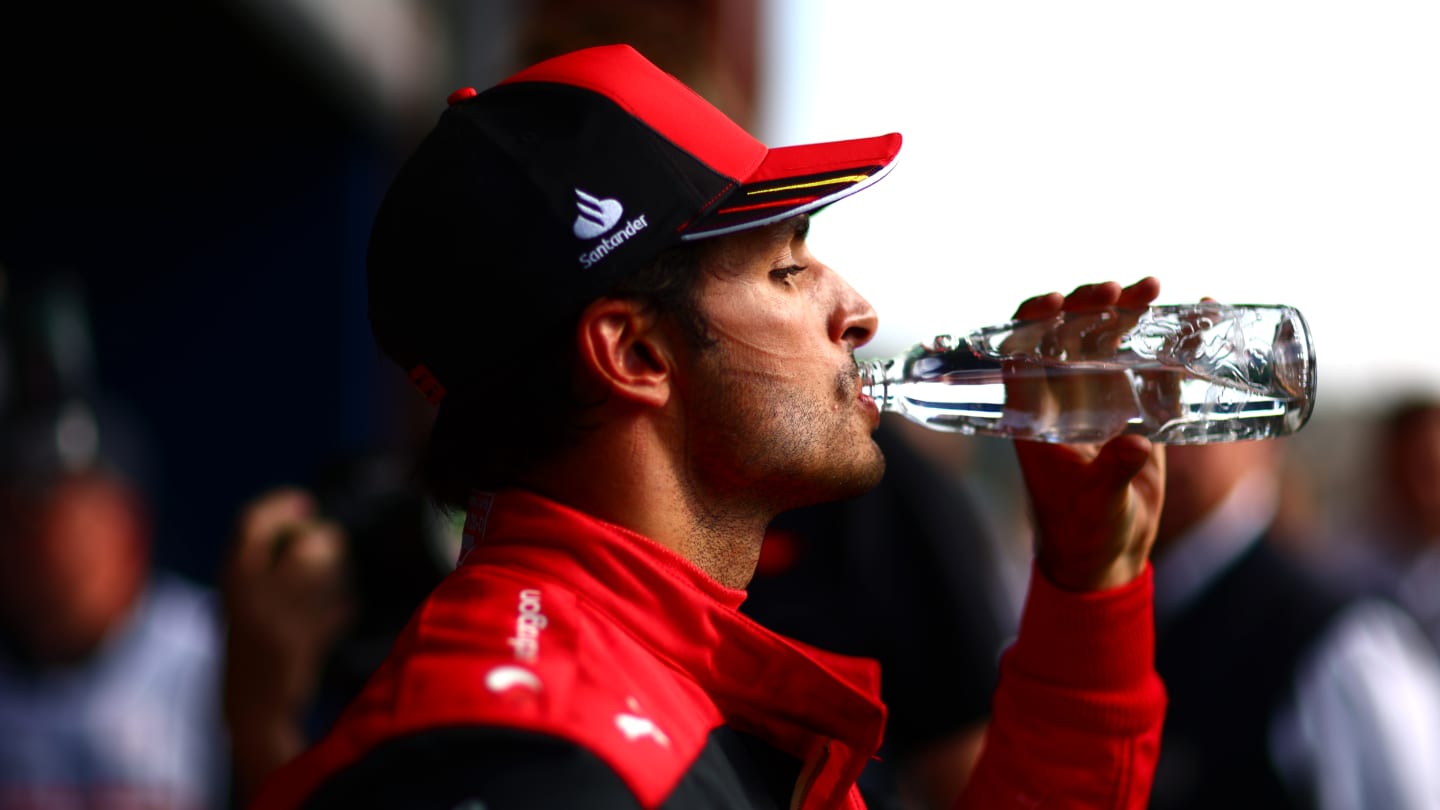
(817, 158)
(787, 202)
(428, 385)
(661, 101)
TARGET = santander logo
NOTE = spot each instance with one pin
(599, 217)
(596, 215)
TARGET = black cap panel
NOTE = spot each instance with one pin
(532, 198)
(525, 203)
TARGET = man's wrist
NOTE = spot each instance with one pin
(1095, 576)
(1088, 639)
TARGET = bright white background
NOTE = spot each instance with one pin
(1256, 152)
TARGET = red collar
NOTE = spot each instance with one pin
(785, 692)
(820, 707)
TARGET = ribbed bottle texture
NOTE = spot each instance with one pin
(1179, 374)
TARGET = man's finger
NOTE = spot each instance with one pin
(264, 520)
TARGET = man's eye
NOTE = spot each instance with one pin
(782, 273)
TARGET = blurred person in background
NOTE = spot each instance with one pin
(287, 603)
(1285, 690)
(321, 580)
(1394, 549)
(109, 692)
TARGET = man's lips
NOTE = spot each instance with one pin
(870, 405)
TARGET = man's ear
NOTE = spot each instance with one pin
(623, 349)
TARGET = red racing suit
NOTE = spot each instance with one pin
(571, 662)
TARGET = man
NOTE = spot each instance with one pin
(109, 665)
(606, 286)
(1285, 691)
(1395, 547)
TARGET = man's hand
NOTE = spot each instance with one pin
(286, 604)
(1096, 507)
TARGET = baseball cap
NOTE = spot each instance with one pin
(530, 199)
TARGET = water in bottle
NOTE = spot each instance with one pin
(1179, 374)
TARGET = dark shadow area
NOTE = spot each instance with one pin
(215, 204)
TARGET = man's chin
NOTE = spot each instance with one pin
(876, 472)
(863, 478)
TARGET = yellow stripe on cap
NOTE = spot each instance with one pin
(850, 178)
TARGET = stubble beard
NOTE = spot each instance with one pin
(758, 450)
(785, 449)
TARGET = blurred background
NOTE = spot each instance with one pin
(186, 192)
(207, 173)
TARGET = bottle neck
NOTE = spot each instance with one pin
(877, 379)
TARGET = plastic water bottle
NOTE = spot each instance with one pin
(1179, 374)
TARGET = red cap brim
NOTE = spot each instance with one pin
(772, 184)
(794, 180)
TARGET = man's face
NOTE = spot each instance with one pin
(72, 562)
(1415, 471)
(774, 409)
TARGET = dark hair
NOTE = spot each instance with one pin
(527, 409)
(1407, 413)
